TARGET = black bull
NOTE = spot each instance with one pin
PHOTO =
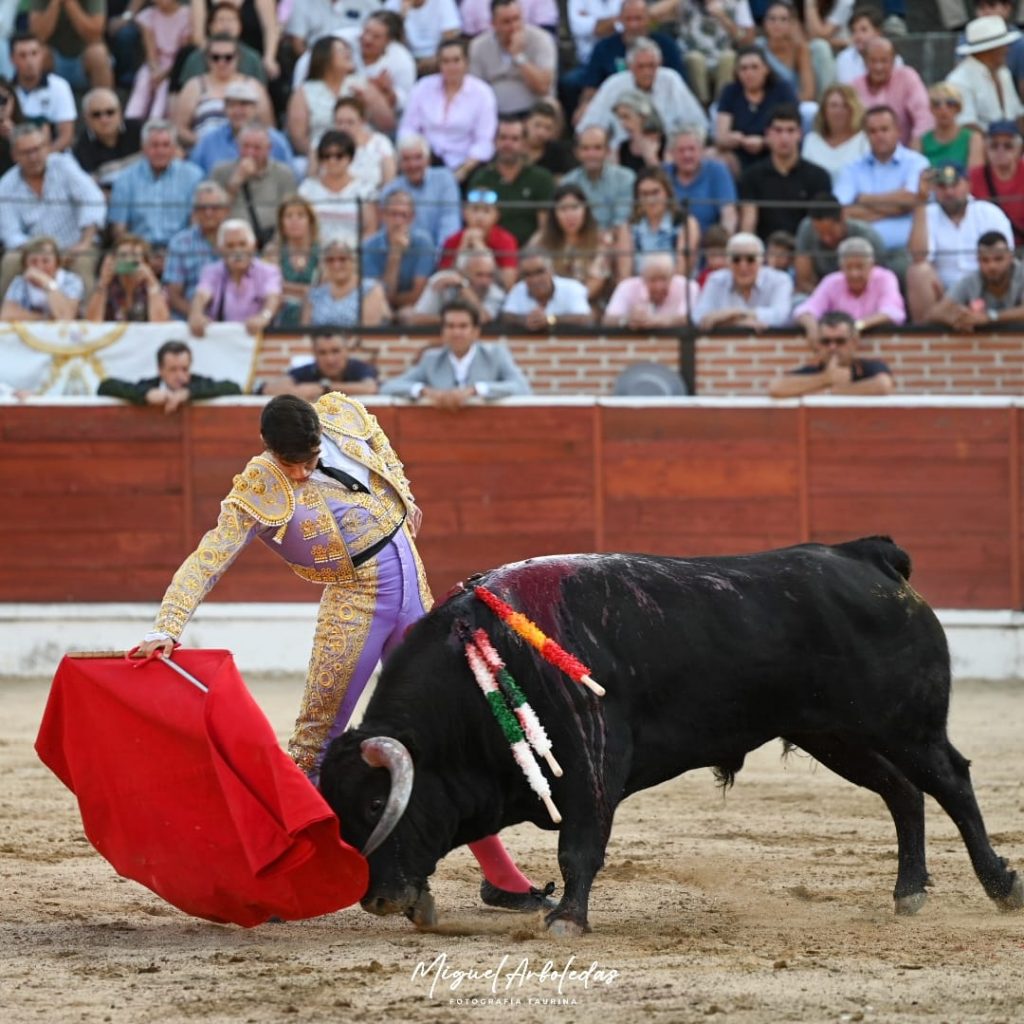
(704, 659)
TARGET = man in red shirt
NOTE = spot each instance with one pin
(1002, 174)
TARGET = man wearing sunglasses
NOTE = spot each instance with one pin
(1001, 177)
(746, 293)
(109, 144)
(838, 370)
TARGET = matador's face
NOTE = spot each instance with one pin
(298, 472)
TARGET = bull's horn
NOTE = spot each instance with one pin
(385, 752)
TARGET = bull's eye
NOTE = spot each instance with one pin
(376, 805)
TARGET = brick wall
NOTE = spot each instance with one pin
(726, 366)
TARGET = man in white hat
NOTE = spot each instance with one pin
(982, 76)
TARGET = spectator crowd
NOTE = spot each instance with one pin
(337, 164)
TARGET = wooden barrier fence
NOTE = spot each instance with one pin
(103, 501)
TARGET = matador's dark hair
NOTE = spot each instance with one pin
(290, 428)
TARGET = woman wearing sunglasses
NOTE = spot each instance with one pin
(342, 299)
(949, 141)
(340, 199)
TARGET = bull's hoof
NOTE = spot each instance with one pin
(565, 928)
(424, 913)
(523, 902)
(907, 906)
(1014, 899)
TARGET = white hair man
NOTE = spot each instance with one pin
(658, 297)
(746, 293)
(671, 97)
(238, 287)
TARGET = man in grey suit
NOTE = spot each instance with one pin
(462, 368)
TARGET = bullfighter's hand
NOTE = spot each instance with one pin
(415, 519)
(160, 648)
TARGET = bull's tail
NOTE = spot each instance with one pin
(883, 552)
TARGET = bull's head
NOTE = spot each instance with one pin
(386, 811)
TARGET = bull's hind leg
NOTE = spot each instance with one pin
(943, 772)
(863, 767)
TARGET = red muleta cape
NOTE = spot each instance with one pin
(191, 794)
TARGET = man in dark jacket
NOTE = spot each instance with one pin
(174, 385)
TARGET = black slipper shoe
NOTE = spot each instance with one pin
(524, 902)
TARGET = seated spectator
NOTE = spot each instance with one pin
(426, 24)
(482, 231)
(825, 25)
(743, 109)
(399, 255)
(470, 280)
(43, 290)
(746, 293)
(48, 194)
(220, 144)
(153, 197)
(712, 252)
(836, 138)
(388, 68)
(238, 288)
(949, 141)
(710, 32)
(454, 111)
(668, 93)
(202, 103)
(341, 202)
(783, 177)
(374, 163)
(657, 226)
(434, 189)
(899, 88)
(192, 249)
(865, 24)
(608, 187)
(523, 191)
(1001, 177)
(127, 289)
(704, 187)
(541, 301)
(868, 294)
(75, 38)
(476, 15)
(260, 28)
(589, 21)
(985, 82)
(44, 97)
(994, 293)
(544, 145)
(10, 115)
(312, 19)
(295, 249)
(107, 144)
(332, 369)
(643, 136)
(787, 51)
(311, 107)
(462, 368)
(881, 187)
(818, 238)
(781, 251)
(944, 238)
(343, 298)
(225, 19)
(175, 384)
(659, 297)
(516, 60)
(255, 184)
(574, 241)
(166, 28)
(838, 371)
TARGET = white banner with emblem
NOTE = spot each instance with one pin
(71, 358)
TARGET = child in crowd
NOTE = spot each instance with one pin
(781, 252)
(712, 252)
(166, 27)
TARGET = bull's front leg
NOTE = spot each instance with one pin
(581, 848)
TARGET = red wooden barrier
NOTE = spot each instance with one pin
(103, 501)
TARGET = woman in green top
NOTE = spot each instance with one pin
(949, 142)
(296, 250)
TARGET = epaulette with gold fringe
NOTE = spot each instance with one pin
(263, 492)
(344, 416)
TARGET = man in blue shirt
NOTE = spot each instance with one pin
(400, 256)
(705, 186)
(153, 198)
(434, 190)
(220, 145)
(881, 187)
(192, 249)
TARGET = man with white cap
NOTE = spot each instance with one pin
(982, 76)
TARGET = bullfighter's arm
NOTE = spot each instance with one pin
(396, 470)
(200, 571)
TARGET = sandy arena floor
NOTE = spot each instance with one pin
(770, 905)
